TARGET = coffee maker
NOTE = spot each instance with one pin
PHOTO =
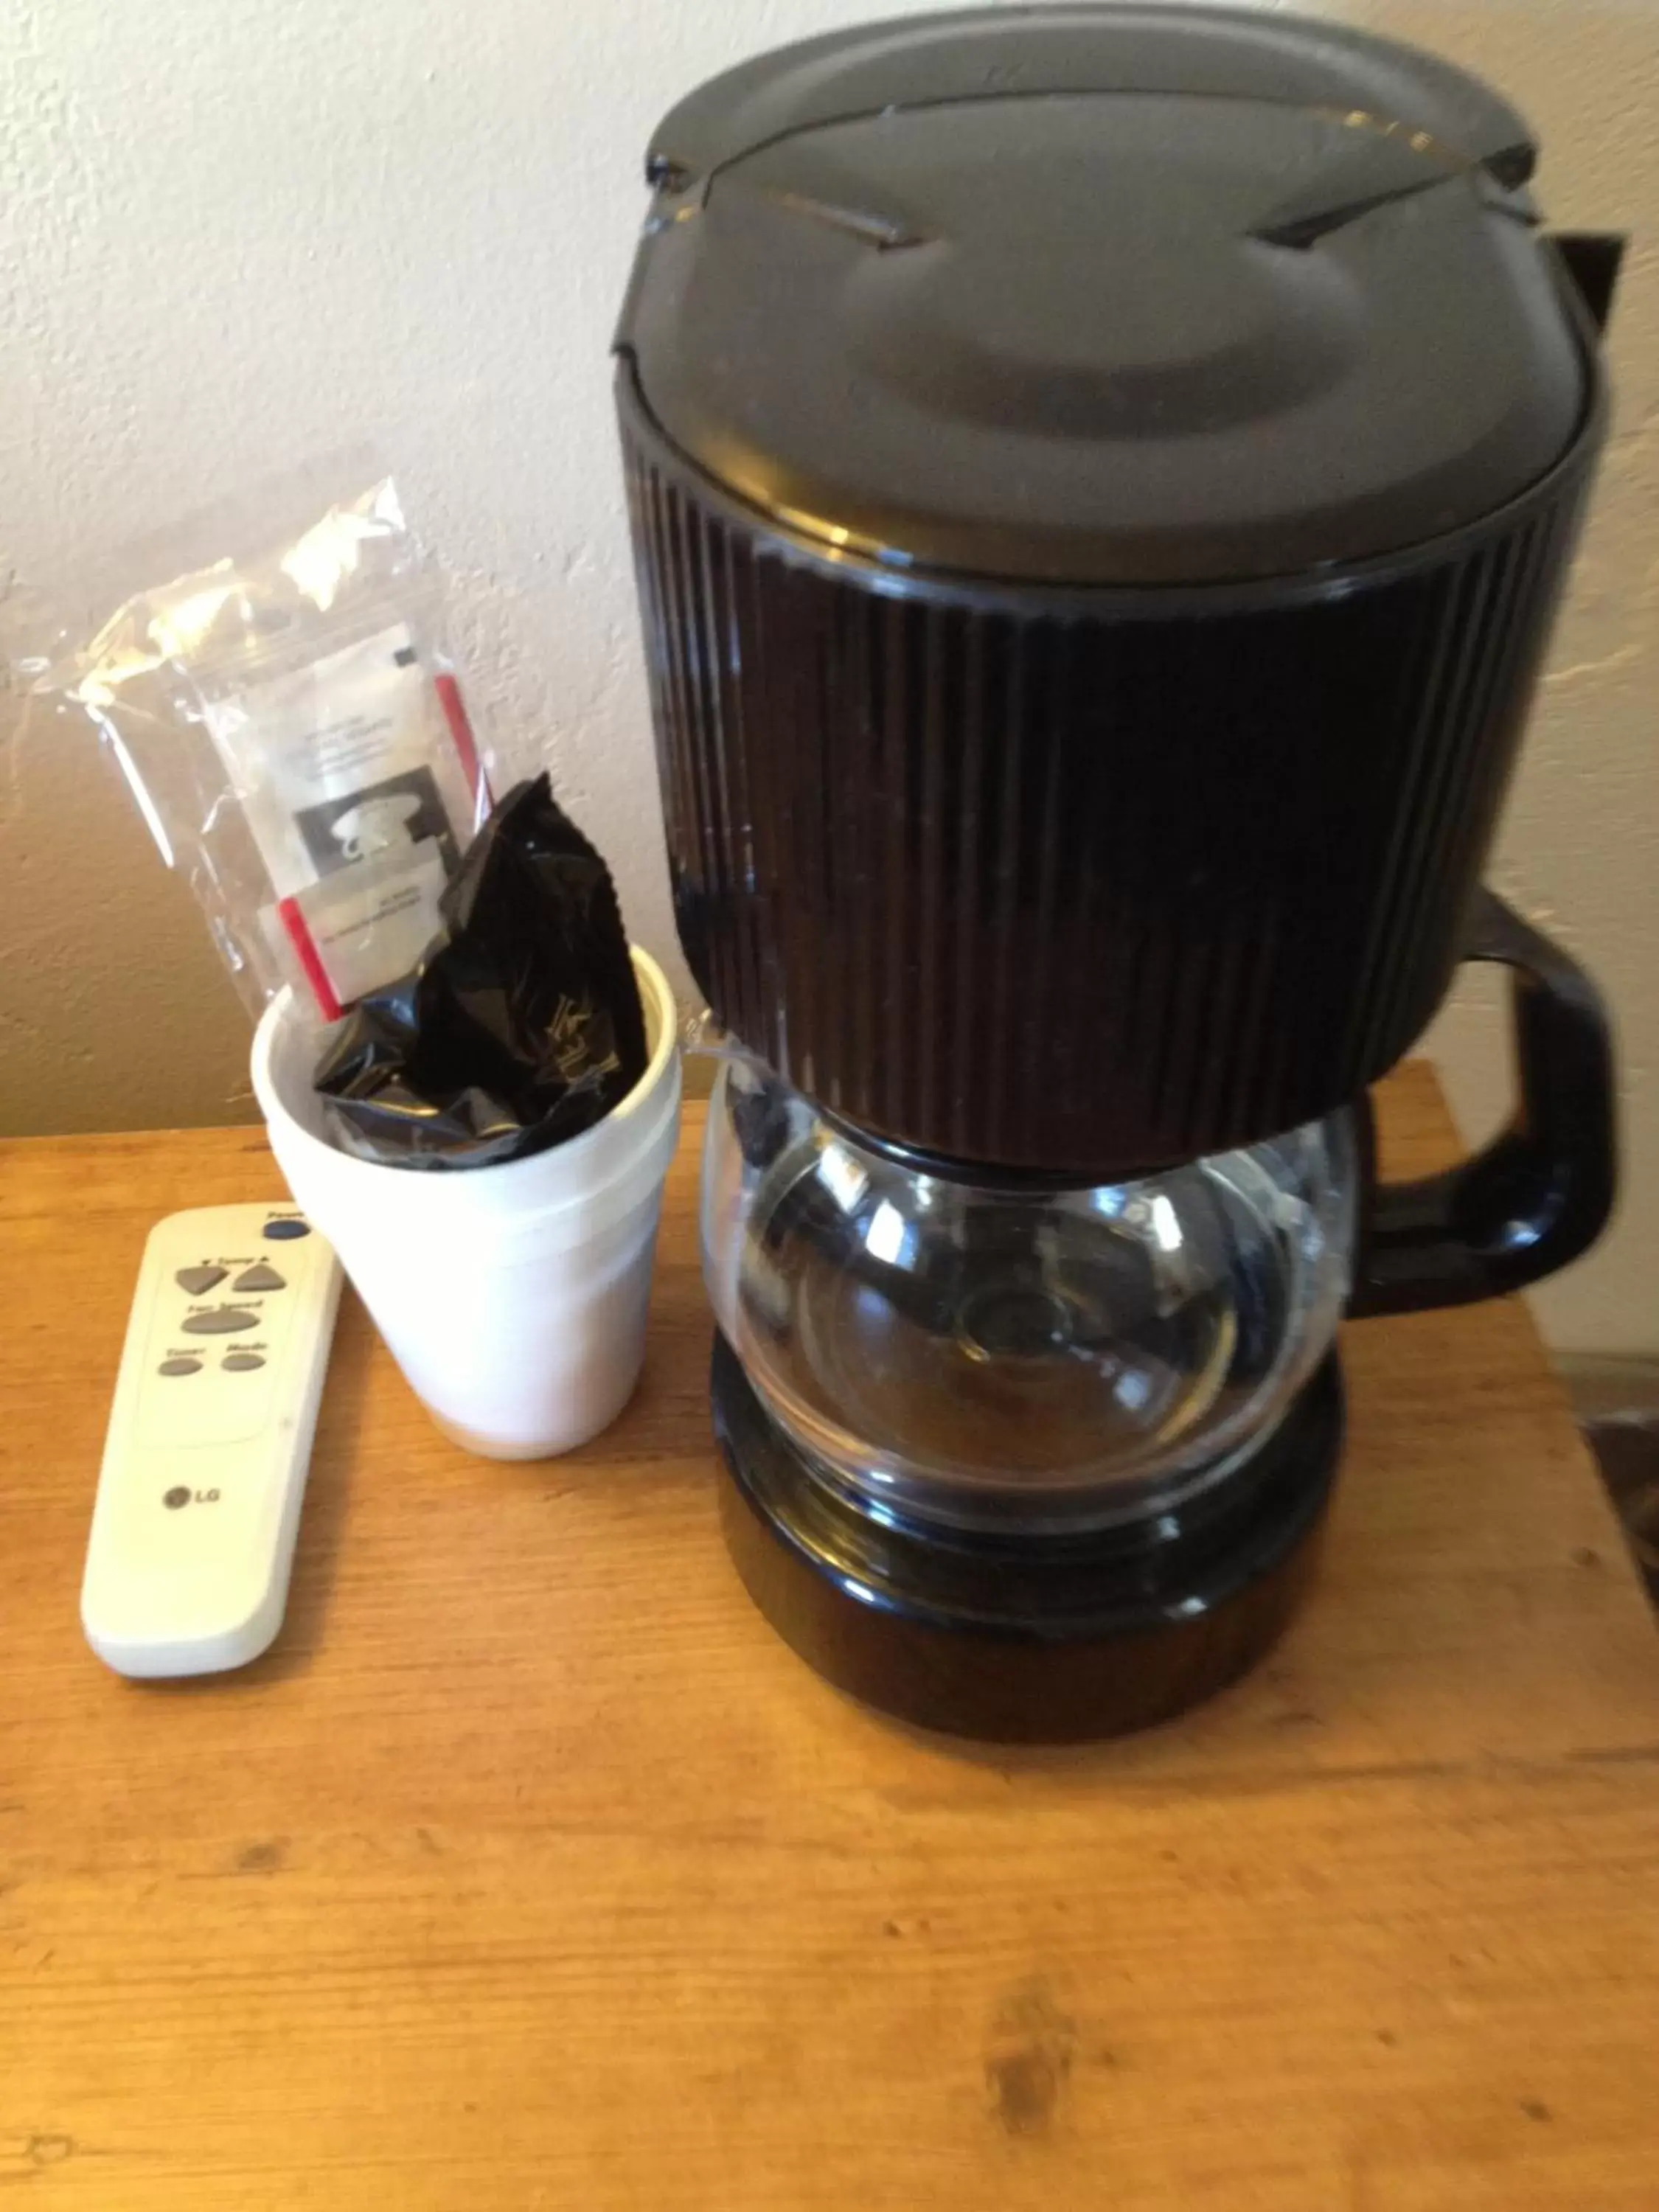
(1101, 480)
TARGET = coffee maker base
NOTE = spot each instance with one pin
(1014, 1636)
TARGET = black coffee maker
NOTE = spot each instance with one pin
(1101, 478)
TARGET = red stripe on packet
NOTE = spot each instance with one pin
(310, 959)
(449, 698)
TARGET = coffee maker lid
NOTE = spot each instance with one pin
(1104, 294)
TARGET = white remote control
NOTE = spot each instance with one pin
(209, 1440)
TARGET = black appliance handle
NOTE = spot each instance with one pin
(1541, 1192)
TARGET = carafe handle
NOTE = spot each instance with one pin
(1538, 1194)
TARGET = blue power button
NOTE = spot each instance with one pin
(284, 1232)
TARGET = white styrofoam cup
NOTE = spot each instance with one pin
(514, 1297)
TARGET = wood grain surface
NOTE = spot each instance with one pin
(530, 1871)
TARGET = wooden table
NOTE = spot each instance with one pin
(530, 1869)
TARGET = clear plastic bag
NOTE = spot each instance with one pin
(292, 729)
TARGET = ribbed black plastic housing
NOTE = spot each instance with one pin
(1088, 881)
(1102, 477)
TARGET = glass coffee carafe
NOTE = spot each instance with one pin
(1017, 1457)
(985, 1354)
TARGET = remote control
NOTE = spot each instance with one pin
(209, 1439)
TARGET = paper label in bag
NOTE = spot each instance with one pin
(333, 764)
(330, 763)
(370, 924)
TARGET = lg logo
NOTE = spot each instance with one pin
(180, 1495)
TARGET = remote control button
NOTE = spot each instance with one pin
(284, 1232)
(179, 1367)
(219, 1321)
(198, 1282)
(241, 1363)
(260, 1279)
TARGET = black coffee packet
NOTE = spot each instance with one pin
(520, 1027)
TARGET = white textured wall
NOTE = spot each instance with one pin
(233, 235)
